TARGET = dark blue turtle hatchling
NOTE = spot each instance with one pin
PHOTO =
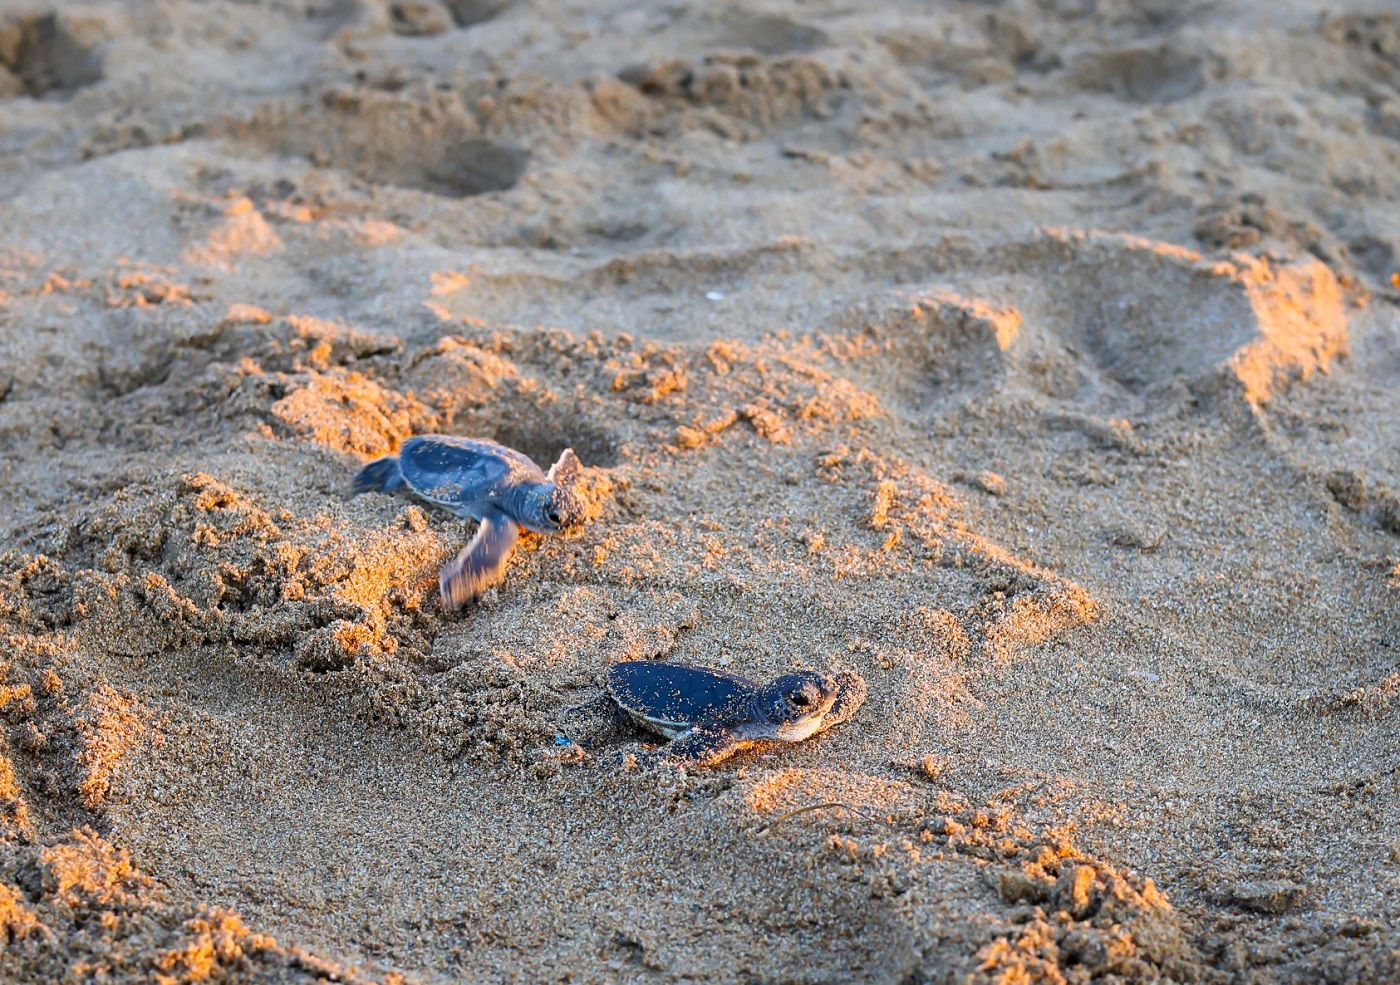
(710, 715)
(486, 481)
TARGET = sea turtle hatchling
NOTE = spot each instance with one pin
(482, 480)
(709, 715)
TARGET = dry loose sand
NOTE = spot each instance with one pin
(1037, 360)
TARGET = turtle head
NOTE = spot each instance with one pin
(550, 509)
(795, 704)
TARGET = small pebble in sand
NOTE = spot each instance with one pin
(246, 314)
(1143, 541)
(990, 483)
(987, 481)
(1268, 896)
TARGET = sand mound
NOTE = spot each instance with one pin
(1036, 363)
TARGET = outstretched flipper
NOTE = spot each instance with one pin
(566, 470)
(849, 697)
(380, 475)
(482, 562)
(704, 745)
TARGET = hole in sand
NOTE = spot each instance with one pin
(47, 53)
(451, 167)
(472, 167)
(469, 13)
(1142, 74)
(772, 35)
(544, 443)
(387, 139)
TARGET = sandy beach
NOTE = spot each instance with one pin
(1037, 361)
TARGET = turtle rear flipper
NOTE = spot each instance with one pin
(850, 696)
(381, 475)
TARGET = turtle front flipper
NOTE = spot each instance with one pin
(850, 695)
(704, 745)
(482, 562)
(566, 470)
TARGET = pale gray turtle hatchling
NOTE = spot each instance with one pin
(709, 715)
(479, 479)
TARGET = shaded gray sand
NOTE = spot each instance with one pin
(1035, 361)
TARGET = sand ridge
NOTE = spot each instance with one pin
(1034, 361)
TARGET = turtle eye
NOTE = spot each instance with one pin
(800, 699)
(552, 515)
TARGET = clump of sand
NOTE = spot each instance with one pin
(1034, 361)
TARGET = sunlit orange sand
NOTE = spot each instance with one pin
(1035, 362)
